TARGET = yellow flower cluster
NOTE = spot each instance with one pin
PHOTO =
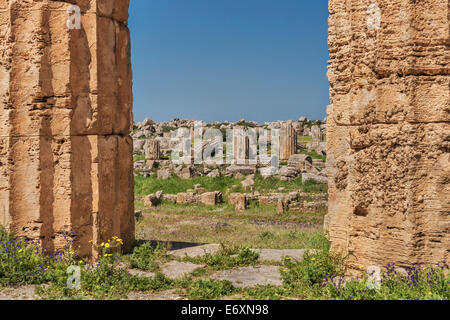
(118, 240)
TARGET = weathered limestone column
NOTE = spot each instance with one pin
(240, 145)
(65, 118)
(388, 131)
(288, 141)
(152, 150)
(316, 134)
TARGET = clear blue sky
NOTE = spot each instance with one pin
(214, 60)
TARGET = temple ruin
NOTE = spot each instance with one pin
(66, 154)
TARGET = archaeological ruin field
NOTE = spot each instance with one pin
(95, 205)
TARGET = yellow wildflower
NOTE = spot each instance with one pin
(103, 244)
(20, 250)
(313, 259)
(107, 245)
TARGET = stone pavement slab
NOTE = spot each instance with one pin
(197, 251)
(177, 270)
(141, 273)
(251, 276)
(279, 255)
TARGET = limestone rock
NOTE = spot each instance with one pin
(214, 173)
(154, 199)
(239, 201)
(314, 177)
(287, 173)
(178, 270)
(187, 198)
(245, 170)
(251, 276)
(248, 182)
(163, 174)
(211, 198)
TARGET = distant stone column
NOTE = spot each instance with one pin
(288, 141)
(240, 145)
(152, 150)
(316, 134)
(65, 117)
(388, 151)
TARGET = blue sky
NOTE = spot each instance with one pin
(215, 60)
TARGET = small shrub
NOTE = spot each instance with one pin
(228, 258)
(209, 289)
(315, 266)
(144, 257)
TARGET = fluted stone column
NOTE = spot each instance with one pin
(240, 145)
(288, 141)
(388, 131)
(65, 118)
(152, 150)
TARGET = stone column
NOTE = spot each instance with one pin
(65, 118)
(152, 150)
(388, 131)
(240, 145)
(288, 141)
(316, 134)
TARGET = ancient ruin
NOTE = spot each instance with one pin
(388, 131)
(65, 152)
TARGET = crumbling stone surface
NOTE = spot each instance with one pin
(388, 132)
(65, 118)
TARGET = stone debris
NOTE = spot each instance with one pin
(248, 182)
(154, 199)
(211, 198)
(239, 201)
(314, 177)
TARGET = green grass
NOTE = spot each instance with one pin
(138, 157)
(304, 139)
(174, 185)
(273, 183)
(227, 258)
(315, 155)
